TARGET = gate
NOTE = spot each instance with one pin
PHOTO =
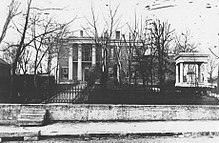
(67, 93)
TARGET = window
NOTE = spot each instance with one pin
(86, 53)
(64, 73)
(98, 53)
(111, 53)
(64, 52)
(75, 53)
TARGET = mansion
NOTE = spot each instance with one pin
(78, 54)
(76, 58)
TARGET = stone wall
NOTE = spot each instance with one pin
(94, 112)
(98, 112)
(9, 112)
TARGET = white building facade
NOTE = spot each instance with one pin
(191, 70)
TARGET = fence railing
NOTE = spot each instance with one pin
(152, 95)
(66, 93)
(131, 94)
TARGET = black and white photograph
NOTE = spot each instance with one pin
(109, 71)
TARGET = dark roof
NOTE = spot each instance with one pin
(191, 54)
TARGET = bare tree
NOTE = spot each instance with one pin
(39, 26)
(184, 43)
(54, 43)
(20, 49)
(34, 33)
(120, 56)
(104, 39)
(141, 51)
(44, 35)
(24, 62)
(213, 64)
(132, 46)
(54, 40)
(161, 38)
(217, 57)
(9, 54)
(129, 51)
(9, 51)
(12, 12)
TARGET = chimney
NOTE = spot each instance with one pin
(105, 34)
(117, 34)
(81, 33)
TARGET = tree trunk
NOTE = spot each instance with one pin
(49, 64)
(12, 91)
(57, 67)
(19, 52)
(218, 81)
(129, 72)
(104, 73)
(143, 80)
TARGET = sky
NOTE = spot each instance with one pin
(199, 17)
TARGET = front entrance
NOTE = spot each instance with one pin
(86, 74)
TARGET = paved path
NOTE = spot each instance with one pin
(95, 128)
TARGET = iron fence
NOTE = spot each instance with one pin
(79, 93)
(25, 89)
(132, 94)
(67, 93)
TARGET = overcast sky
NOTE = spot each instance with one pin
(200, 17)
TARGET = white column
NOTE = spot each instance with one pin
(93, 55)
(79, 62)
(181, 73)
(103, 59)
(57, 74)
(177, 74)
(197, 72)
(70, 64)
(205, 74)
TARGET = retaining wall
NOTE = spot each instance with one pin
(98, 112)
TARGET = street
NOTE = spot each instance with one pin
(128, 139)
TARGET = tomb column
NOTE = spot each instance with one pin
(197, 72)
(93, 55)
(177, 74)
(205, 74)
(181, 73)
(79, 62)
(70, 64)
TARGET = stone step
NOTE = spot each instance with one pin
(33, 111)
(26, 135)
(40, 120)
(30, 122)
(31, 116)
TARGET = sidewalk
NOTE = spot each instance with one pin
(101, 128)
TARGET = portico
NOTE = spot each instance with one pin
(81, 57)
(191, 69)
